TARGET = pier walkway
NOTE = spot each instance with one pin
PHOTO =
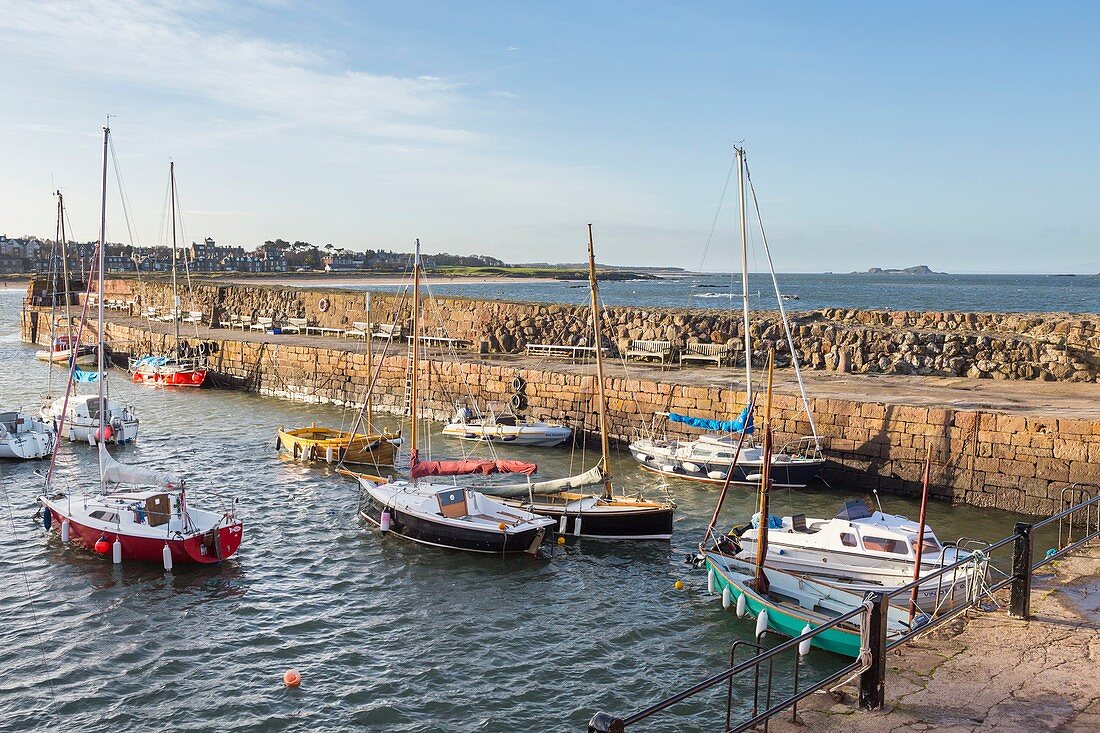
(994, 673)
(1016, 397)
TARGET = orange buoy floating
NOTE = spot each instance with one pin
(678, 585)
(292, 678)
(561, 540)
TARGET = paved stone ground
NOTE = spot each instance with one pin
(1064, 399)
(992, 673)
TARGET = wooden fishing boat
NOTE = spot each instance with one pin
(598, 516)
(794, 603)
(317, 444)
(24, 437)
(443, 514)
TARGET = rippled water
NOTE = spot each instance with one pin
(389, 636)
(998, 293)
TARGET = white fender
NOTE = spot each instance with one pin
(577, 527)
(741, 605)
(726, 600)
(561, 524)
(762, 622)
(385, 520)
(328, 454)
(710, 580)
(116, 551)
(804, 645)
(64, 530)
(166, 556)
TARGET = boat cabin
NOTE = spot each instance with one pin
(856, 528)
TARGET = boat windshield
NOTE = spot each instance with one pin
(931, 545)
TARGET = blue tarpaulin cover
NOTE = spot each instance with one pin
(84, 377)
(154, 361)
(742, 423)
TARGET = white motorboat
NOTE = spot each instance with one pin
(25, 437)
(61, 352)
(861, 550)
(82, 423)
(508, 428)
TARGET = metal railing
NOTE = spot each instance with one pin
(1083, 516)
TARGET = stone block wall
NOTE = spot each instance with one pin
(980, 458)
(1047, 346)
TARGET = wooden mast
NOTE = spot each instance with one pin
(64, 264)
(920, 532)
(760, 583)
(600, 396)
(175, 293)
(413, 391)
(370, 371)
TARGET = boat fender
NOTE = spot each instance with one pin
(517, 402)
(385, 521)
(727, 601)
(804, 645)
(761, 622)
(102, 546)
(561, 524)
(716, 475)
(577, 527)
(328, 454)
(691, 467)
(710, 581)
(116, 551)
(166, 557)
(518, 385)
(741, 605)
(64, 530)
(47, 520)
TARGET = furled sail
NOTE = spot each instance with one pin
(743, 423)
(122, 473)
(419, 468)
(555, 486)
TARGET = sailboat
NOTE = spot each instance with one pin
(76, 416)
(137, 513)
(709, 457)
(473, 425)
(600, 516)
(24, 436)
(444, 514)
(318, 444)
(63, 348)
(171, 370)
(785, 602)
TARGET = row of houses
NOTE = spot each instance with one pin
(26, 255)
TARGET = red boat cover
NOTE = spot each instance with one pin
(418, 468)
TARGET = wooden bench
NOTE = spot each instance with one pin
(172, 315)
(442, 342)
(193, 317)
(645, 349)
(150, 313)
(295, 325)
(262, 324)
(387, 331)
(717, 353)
(325, 330)
(359, 330)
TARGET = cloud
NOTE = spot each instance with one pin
(165, 47)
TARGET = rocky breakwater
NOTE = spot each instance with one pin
(1049, 346)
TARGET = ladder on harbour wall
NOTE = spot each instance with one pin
(407, 410)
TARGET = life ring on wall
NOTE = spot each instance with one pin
(322, 304)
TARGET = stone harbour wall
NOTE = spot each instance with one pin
(1048, 346)
(981, 458)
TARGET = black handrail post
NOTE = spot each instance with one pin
(1020, 604)
(606, 723)
(872, 681)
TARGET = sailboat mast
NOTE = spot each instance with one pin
(600, 396)
(64, 263)
(99, 302)
(413, 391)
(761, 580)
(370, 370)
(744, 270)
(175, 292)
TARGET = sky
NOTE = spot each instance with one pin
(961, 135)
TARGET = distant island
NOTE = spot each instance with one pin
(917, 270)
